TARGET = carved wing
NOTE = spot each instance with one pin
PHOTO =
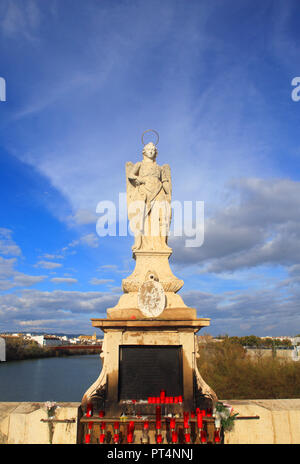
(132, 191)
(167, 175)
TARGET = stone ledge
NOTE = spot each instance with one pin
(151, 324)
(278, 422)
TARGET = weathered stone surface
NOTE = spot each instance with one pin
(151, 298)
(278, 422)
(21, 423)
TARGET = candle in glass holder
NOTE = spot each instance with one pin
(131, 426)
(116, 438)
(159, 438)
(180, 399)
(186, 420)
(199, 421)
(187, 437)
(101, 413)
(146, 425)
(90, 425)
(87, 438)
(102, 426)
(217, 438)
(129, 437)
(102, 437)
(172, 424)
(116, 425)
(203, 437)
(174, 437)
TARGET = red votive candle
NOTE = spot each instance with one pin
(187, 438)
(171, 399)
(199, 421)
(174, 437)
(102, 426)
(102, 437)
(158, 424)
(162, 393)
(158, 439)
(90, 426)
(203, 412)
(131, 426)
(146, 425)
(129, 437)
(186, 420)
(180, 399)
(203, 436)
(192, 414)
(198, 411)
(101, 413)
(167, 400)
(172, 423)
(87, 438)
(157, 400)
(217, 436)
(116, 426)
(209, 412)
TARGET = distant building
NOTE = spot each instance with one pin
(2, 349)
(88, 338)
(47, 340)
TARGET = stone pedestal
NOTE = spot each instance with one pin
(160, 332)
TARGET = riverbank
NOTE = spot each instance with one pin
(20, 349)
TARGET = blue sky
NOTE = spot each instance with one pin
(84, 79)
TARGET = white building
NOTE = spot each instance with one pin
(47, 340)
(2, 349)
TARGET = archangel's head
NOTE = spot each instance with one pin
(150, 151)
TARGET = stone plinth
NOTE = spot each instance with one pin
(148, 333)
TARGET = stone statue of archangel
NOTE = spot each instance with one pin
(149, 192)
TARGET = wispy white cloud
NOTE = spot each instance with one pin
(47, 264)
(7, 244)
(64, 280)
(96, 281)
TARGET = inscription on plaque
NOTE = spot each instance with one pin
(146, 370)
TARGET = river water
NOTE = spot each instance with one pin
(48, 379)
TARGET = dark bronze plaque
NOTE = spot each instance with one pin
(146, 370)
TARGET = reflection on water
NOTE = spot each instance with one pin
(55, 379)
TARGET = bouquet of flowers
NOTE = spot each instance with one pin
(224, 412)
(51, 406)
